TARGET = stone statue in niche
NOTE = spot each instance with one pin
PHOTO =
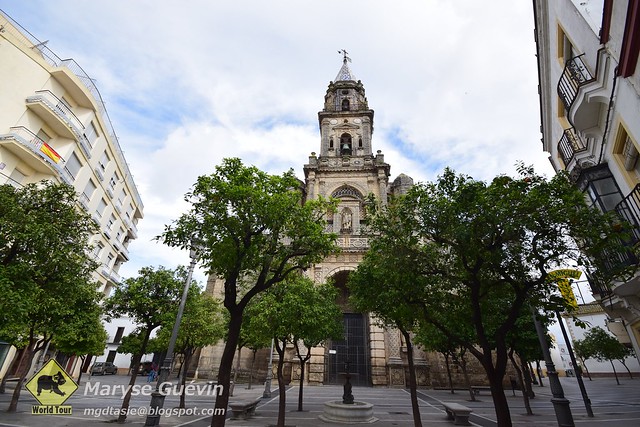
(346, 221)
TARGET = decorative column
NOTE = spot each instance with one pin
(396, 367)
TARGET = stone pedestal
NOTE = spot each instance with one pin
(355, 413)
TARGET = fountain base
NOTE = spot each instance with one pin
(354, 413)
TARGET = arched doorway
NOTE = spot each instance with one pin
(354, 348)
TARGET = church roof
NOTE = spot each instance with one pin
(345, 72)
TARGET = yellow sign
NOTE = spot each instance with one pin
(560, 277)
(51, 385)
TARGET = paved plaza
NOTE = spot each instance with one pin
(613, 405)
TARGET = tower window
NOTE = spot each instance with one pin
(345, 105)
(345, 144)
(360, 142)
(331, 143)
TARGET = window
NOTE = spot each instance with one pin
(598, 183)
(43, 135)
(104, 161)
(91, 133)
(73, 165)
(121, 197)
(100, 209)
(16, 178)
(114, 181)
(88, 190)
(112, 220)
(97, 250)
(565, 48)
(345, 105)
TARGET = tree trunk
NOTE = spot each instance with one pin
(183, 381)
(23, 370)
(134, 376)
(614, 372)
(627, 368)
(446, 363)
(300, 388)
(235, 372)
(525, 395)
(495, 375)
(282, 396)
(224, 371)
(82, 359)
(585, 368)
(539, 373)
(253, 363)
(465, 373)
(528, 383)
(417, 422)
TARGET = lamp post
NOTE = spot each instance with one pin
(267, 383)
(560, 403)
(158, 396)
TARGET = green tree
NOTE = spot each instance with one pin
(45, 267)
(381, 286)
(254, 230)
(84, 335)
(604, 346)
(480, 252)
(584, 351)
(318, 320)
(148, 300)
(292, 311)
(202, 324)
(252, 338)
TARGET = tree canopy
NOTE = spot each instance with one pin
(477, 253)
(45, 270)
(252, 229)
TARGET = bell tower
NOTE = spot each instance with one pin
(348, 170)
(346, 122)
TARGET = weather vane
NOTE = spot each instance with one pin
(344, 53)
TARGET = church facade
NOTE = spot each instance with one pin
(345, 169)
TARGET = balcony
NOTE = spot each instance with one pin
(59, 116)
(28, 147)
(132, 228)
(569, 145)
(575, 75)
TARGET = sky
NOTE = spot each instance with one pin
(188, 83)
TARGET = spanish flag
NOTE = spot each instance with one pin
(46, 149)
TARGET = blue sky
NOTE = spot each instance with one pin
(452, 83)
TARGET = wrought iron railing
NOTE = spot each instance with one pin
(28, 139)
(629, 209)
(575, 74)
(60, 109)
(570, 144)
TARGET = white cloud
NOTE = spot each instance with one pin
(189, 83)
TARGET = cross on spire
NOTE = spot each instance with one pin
(344, 53)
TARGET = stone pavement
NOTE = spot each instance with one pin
(613, 405)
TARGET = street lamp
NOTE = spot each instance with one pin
(267, 383)
(560, 403)
(158, 396)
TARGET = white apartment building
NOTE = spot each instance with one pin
(590, 109)
(54, 126)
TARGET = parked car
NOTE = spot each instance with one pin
(101, 368)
